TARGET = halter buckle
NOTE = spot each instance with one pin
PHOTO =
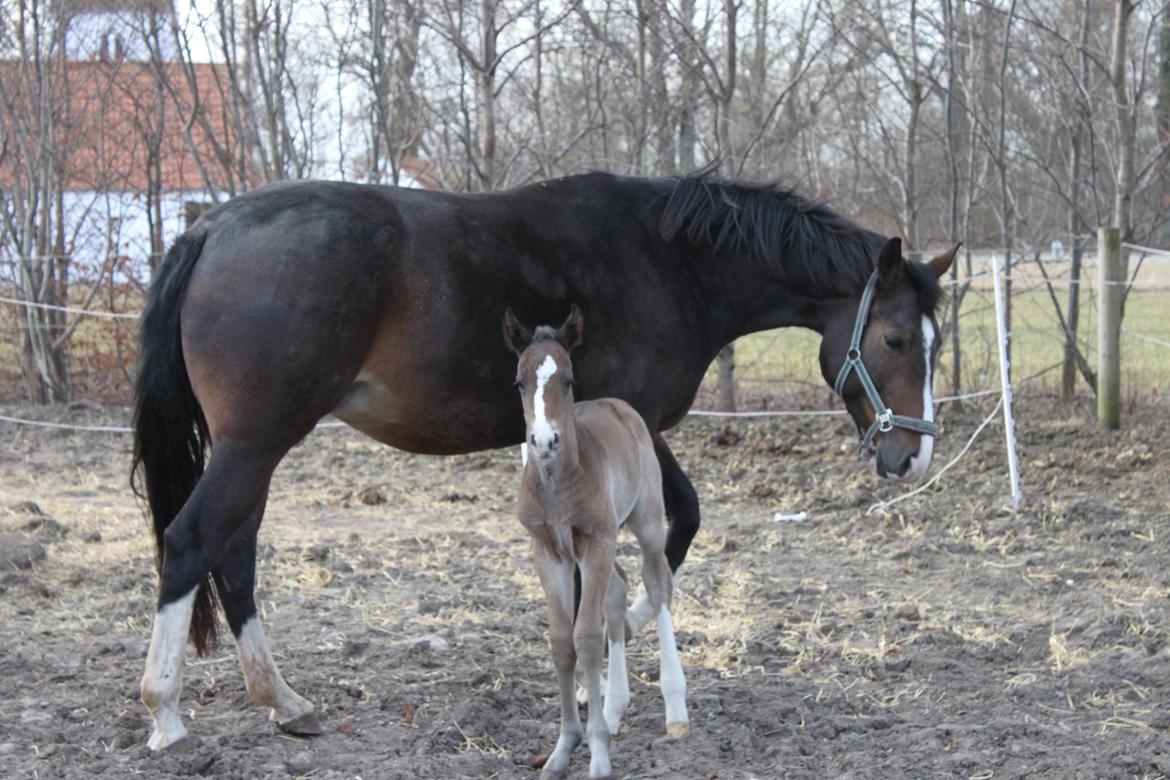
(885, 419)
(853, 355)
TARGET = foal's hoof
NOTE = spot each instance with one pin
(181, 746)
(676, 730)
(305, 725)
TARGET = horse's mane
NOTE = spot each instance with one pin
(801, 241)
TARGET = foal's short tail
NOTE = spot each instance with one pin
(170, 431)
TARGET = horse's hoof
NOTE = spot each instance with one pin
(305, 725)
(676, 730)
(181, 746)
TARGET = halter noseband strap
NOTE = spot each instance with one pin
(885, 420)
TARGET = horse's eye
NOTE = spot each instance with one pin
(519, 384)
(570, 384)
(896, 343)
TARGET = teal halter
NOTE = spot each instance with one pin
(885, 420)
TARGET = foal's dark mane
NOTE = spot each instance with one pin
(801, 241)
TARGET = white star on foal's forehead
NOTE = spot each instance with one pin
(546, 370)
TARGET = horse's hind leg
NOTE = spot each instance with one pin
(231, 489)
(617, 685)
(235, 580)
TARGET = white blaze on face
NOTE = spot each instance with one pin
(542, 429)
(921, 461)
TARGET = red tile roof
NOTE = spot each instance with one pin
(107, 112)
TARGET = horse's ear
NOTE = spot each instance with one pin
(573, 331)
(890, 262)
(941, 264)
(516, 335)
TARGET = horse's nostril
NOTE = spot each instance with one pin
(905, 465)
(556, 439)
(532, 439)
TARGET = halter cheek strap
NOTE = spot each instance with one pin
(885, 420)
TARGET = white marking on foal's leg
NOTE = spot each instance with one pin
(617, 688)
(162, 681)
(524, 453)
(579, 680)
(671, 678)
(921, 460)
(266, 687)
(642, 612)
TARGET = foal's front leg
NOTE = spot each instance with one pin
(556, 575)
(596, 560)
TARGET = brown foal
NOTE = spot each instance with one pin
(589, 469)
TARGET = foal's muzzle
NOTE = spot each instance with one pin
(546, 445)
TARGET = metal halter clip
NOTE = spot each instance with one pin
(885, 420)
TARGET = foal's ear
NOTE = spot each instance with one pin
(572, 332)
(941, 264)
(890, 262)
(516, 335)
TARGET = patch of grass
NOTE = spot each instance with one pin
(790, 355)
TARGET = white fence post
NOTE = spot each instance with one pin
(1009, 425)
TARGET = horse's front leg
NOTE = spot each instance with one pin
(596, 558)
(556, 575)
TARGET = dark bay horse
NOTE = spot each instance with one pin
(382, 306)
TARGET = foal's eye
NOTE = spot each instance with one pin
(896, 343)
(570, 384)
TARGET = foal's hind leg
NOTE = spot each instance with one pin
(617, 686)
(682, 506)
(235, 580)
(647, 525)
(228, 493)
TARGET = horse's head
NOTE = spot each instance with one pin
(544, 375)
(888, 339)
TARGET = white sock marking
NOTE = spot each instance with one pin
(617, 688)
(671, 677)
(523, 454)
(920, 463)
(265, 685)
(162, 681)
(541, 428)
(642, 612)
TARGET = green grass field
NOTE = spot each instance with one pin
(766, 361)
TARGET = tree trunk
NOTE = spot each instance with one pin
(1126, 127)
(726, 374)
(953, 200)
(1076, 227)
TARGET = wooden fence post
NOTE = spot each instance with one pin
(1109, 328)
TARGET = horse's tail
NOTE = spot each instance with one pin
(170, 430)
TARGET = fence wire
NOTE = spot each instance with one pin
(100, 348)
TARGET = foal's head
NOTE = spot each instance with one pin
(899, 347)
(545, 378)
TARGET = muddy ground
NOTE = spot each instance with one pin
(948, 636)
